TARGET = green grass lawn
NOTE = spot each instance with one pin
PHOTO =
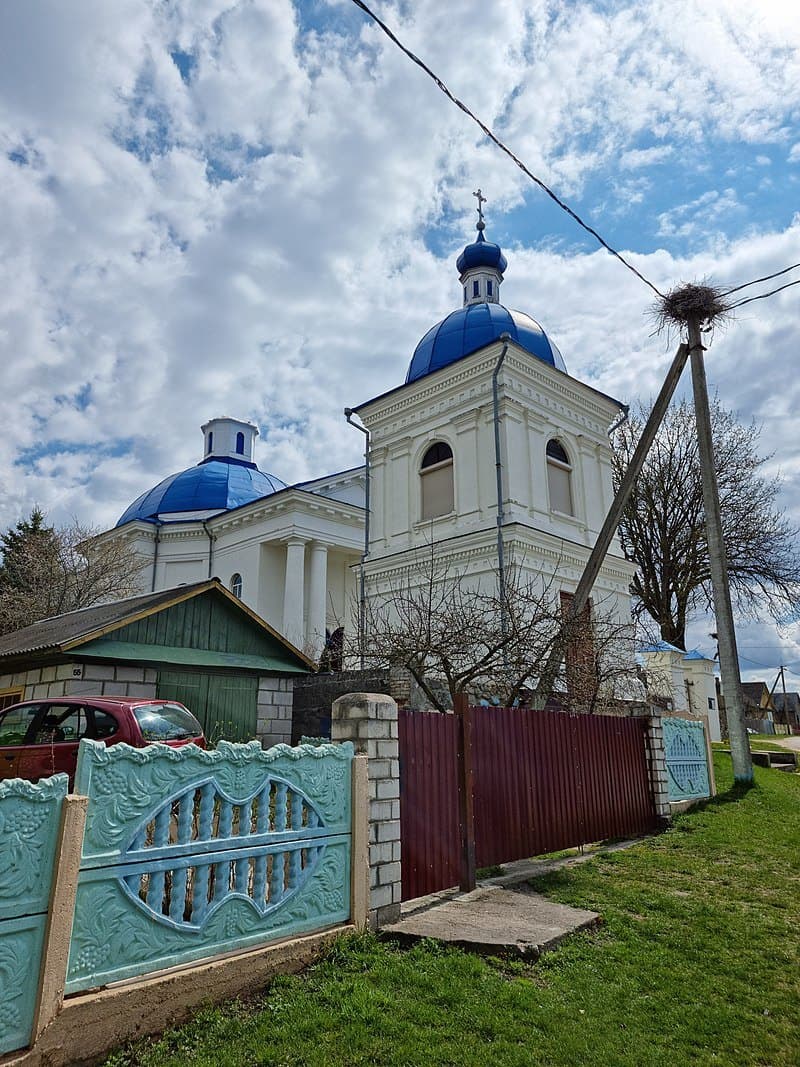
(698, 962)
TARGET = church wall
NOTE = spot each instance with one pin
(181, 572)
(270, 586)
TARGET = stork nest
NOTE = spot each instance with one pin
(704, 303)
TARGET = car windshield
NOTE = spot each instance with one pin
(166, 722)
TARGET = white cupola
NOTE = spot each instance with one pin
(227, 438)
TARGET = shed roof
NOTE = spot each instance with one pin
(75, 629)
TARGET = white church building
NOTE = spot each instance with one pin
(488, 425)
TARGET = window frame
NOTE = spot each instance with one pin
(236, 585)
(16, 693)
(424, 470)
(568, 468)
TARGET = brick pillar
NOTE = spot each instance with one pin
(369, 720)
(657, 766)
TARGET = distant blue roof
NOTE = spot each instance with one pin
(662, 646)
(696, 654)
(213, 485)
(473, 327)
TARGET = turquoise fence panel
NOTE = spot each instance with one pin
(687, 765)
(189, 853)
(30, 818)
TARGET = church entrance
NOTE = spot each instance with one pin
(225, 704)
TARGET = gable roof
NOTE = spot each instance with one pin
(753, 693)
(63, 633)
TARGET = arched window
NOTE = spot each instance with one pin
(436, 476)
(240, 444)
(559, 478)
(210, 441)
(236, 586)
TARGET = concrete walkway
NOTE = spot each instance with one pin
(502, 916)
(492, 920)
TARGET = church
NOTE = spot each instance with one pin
(488, 448)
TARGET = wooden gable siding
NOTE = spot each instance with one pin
(202, 622)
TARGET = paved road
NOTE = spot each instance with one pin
(788, 742)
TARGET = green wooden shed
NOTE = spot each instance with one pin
(196, 643)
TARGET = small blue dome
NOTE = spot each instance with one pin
(213, 485)
(481, 253)
(473, 327)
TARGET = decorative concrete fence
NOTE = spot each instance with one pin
(170, 857)
(30, 818)
(188, 853)
(688, 759)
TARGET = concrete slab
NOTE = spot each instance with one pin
(491, 920)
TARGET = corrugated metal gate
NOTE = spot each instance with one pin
(542, 781)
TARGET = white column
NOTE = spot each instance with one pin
(293, 590)
(317, 598)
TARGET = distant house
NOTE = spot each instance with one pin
(197, 643)
(682, 681)
(787, 711)
(759, 709)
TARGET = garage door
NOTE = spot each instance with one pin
(226, 705)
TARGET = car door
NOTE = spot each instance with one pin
(53, 743)
(15, 724)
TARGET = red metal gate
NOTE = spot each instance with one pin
(542, 781)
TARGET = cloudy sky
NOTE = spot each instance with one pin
(253, 208)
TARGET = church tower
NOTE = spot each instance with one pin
(490, 432)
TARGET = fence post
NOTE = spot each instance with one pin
(60, 915)
(657, 767)
(466, 810)
(369, 720)
(359, 864)
(712, 778)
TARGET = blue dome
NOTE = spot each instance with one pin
(481, 253)
(213, 485)
(473, 327)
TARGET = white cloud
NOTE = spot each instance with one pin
(252, 239)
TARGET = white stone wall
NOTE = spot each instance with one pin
(657, 767)
(369, 720)
(75, 679)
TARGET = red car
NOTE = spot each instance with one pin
(40, 737)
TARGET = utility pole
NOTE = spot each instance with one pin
(583, 591)
(718, 565)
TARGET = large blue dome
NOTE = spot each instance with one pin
(213, 485)
(473, 327)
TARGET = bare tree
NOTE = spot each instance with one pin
(456, 634)
(663, 528)
(50, 570)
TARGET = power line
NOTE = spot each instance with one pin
(496, 140)
(766, 278)
(763, 296)
(769, 667)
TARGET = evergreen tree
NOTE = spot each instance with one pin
(26, 548)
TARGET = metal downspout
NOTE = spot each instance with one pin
(362, 592)
(155, 555)
(498, 466)
(626, 409)
(211, 540)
